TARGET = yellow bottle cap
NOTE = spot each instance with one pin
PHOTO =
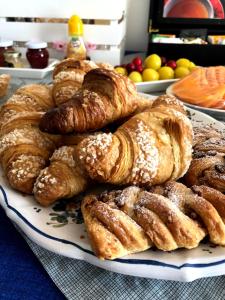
(75, 26)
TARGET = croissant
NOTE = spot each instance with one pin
(150, 148)
(68, 77)
(29, 98)
(171, 216)
(24, 150)
(71, 64)
(208, 165)
(105, 96)
(63, 178)
(4, 84)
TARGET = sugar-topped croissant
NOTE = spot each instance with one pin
(150, 148)
(63, 178)
(29, 98)
(208, 164)
(170, 216)
(68, 77)
(105, 96)
(24, 149)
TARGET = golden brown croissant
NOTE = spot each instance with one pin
(4, 84)
(71, 64)
(105, 96)
(68, 78)
(63, 178)
(208, 165)
(24, 150)
(171, 216)
(29, 98)
(150, 148)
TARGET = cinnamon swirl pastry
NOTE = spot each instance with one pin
(208, 164)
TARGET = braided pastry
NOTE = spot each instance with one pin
(105, 96)
(169, 217)
(208, 165)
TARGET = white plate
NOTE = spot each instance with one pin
(28, 72)
(154, 86)
(49, 229)
(214, 112)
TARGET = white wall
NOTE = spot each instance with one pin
(137, 25)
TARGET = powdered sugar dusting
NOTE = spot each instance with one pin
(71, 75)
(146, 163)
(64, 154)
(26, 166)
(93, 148)
(44, 180)
(24, 136)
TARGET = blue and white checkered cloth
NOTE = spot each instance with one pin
(79, 280)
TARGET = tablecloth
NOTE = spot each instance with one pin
(21, 275)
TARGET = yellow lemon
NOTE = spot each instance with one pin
(192, 66)
(183, 62)
(135, 76)
(181, 72)
(153, 61)
(150, 75)
(121, 70)
(166, 73)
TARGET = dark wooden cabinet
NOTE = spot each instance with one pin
(204, 54)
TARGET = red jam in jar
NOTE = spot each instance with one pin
(37, 54)
(4, 46)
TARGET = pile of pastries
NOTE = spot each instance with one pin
(91, 126)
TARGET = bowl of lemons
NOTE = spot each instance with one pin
(155, 73)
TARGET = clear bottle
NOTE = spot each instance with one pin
(76, 48)
(5, 46)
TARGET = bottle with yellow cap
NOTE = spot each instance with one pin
(76, 48)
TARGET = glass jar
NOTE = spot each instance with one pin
(4, 46)
(37, 54)
(12, 59)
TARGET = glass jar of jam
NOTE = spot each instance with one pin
(37, 54)
(12, 59)
(4, 46)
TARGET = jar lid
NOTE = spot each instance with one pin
(36, 45)
(9, 54)
(6, 43)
